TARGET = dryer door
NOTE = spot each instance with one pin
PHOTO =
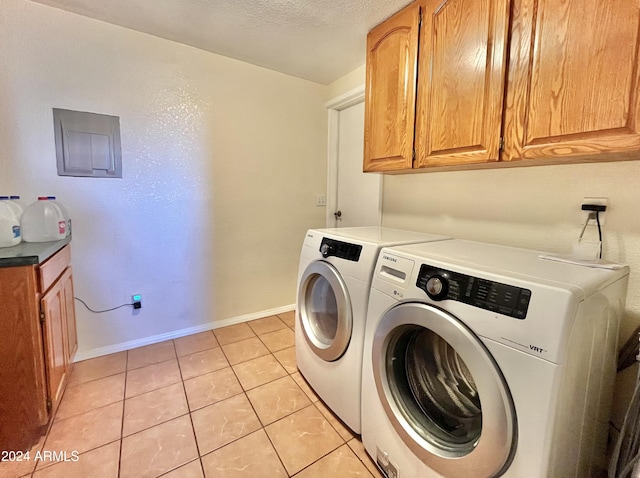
(443, 392)
(325, 311)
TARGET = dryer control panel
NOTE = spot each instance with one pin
(343, 250)
(440, 284)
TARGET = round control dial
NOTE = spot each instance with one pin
(437, 287)
(326, 250)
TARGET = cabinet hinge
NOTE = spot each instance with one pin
(42, 316)
(49, 404)
(501, 144)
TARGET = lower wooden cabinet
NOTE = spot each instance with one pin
(55, 327)
(70, 312)
(37, 324)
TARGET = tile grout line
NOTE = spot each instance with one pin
(244, 392)
(334, 429)
(318, 459)
(193, 428)
(263, 427)
(53, 420)
(172, 418)
(124, 399)
(361, 460)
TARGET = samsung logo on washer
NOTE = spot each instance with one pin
(389, 258)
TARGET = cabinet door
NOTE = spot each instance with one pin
(23, 395)
(461, 79)
(55, 338)
(392, 52)
(70, 317)
(573, 82)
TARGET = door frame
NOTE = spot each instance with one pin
(334, 107)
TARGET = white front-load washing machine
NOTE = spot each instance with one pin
(334, 278)
(483, 360)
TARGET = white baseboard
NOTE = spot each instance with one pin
(132, 344)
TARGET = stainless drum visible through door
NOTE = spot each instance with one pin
(443, 392)
(325, 311)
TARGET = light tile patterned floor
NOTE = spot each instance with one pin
(223, 404)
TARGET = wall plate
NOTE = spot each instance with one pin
(598, 201)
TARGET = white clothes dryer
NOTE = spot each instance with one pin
(483, 360)
(334, 279)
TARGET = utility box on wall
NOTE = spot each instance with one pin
(87, 144)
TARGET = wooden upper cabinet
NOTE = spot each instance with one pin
(461, 81)
(392, 53)
(573, 81)
(538, 81)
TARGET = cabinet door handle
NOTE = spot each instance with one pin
(338, 214)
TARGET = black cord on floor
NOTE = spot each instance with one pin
(100, 311)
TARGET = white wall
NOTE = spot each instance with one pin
(348, 82)
(221, 162)
(532, 207)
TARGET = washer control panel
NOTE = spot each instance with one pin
(440, 284)
(343, 250)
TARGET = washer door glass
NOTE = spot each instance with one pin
(443, 392)
(322, 309)
(435, 389)
(325, 310)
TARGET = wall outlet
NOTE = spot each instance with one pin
(321, 199)
(136, 301)
(597, 201)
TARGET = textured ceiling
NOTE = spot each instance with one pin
(320, 40)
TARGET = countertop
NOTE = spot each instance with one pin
(29, 253)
